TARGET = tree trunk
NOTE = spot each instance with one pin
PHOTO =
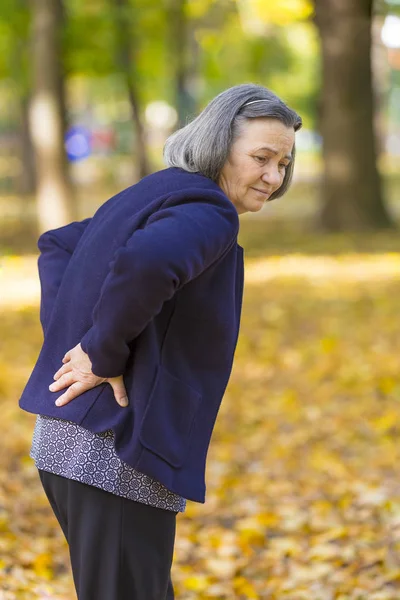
(125, 63)
(380, 82)
(26, 184)
(184, 49)
(27, 180)
(352, 194)
(47, 117)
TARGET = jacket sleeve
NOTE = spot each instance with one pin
(189, 232)
(56, 248)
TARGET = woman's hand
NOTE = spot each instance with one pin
(76, 374)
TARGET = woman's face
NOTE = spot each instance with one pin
(255, 167)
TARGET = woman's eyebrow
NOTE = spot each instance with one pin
(288, 156)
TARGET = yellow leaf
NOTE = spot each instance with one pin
(196, 583)
(243, 586)
(279, 13)
(42, 565)
(386, 421)
(328, 344)
(268, 519)
(387, 385)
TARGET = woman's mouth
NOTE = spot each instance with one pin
(261, 191)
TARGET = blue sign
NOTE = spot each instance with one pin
(77, 143)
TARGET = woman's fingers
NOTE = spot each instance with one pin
(67, 357)
(76, 375)
(64, 369)
(118, 386)
(62, 382)
(73, 391)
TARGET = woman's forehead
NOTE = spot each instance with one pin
(268, 134)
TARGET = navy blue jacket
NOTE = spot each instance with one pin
(152, 287)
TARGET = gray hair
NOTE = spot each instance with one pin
(203, 145)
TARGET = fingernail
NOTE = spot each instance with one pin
(58, 402)
(124, 402)
(51, 386)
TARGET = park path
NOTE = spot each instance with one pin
(20, 286)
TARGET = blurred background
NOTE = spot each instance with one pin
(303, 494)
(90, 91)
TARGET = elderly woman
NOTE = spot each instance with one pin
(140, 311)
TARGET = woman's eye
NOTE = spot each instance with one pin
(283, 166)
(260, 159)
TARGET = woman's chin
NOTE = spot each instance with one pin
(254, 206)
(250, 204)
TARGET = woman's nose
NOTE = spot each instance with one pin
(271, 176)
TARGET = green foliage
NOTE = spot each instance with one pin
(280, 54)
(384, 7)
(90, 39)
(14, 40)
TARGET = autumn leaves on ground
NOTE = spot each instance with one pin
(303, 475)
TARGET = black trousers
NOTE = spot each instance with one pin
(119, 549)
